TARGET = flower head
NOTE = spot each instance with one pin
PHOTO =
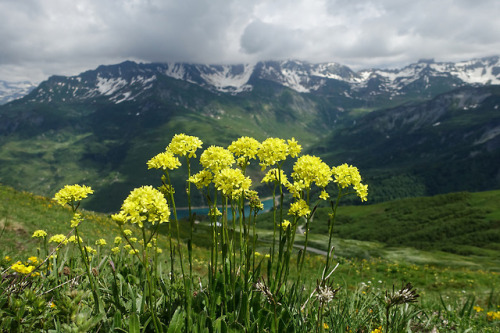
(272, 176)
(310, 169)
(232, 182)
(347, 175)
(21, 268)
(145, 204)
(164, 161)
(39, 234)
(245, 146)
(59, 238)
(299, 208)
(216, 158)
(76, 220)
(272, 151)
(201, 179)
(184, 145)
(294, 148)
(100, 242)
(254, 200)
(72, 193)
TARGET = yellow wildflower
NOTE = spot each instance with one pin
(51, 305)
(59, 238)
(164, 161)
(127, 247)
(100, 242)
(21, 268)
(232, 182)
(133, 251)
(7, 258)
(272, 151)
(145, 204)
(39, 233)
(72, 193)
(492, 315)
(478, 308)
(214, 212)
(245, 146)
(310, 169)
(325, 326)
(183, 145)
(347, 175)
(216, 158)
(158, 250)
(285, 224)
(75, 240)
(324, 195)
(201, 179)
(33, 260)
(90, 250)
(118, 240)
(115, 250)
(272, 176)
(253, 197)
(299, 208)
(76, 220)
(377, 330)
(294, 148)
(127, 232)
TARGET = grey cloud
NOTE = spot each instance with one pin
(41, 38)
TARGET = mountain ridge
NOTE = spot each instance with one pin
(119, 81)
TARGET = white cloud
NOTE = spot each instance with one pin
(42, 38)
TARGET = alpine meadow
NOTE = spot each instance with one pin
(279, 196)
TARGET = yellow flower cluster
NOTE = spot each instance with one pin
(272, 151)
(201, 179)
(347, 175)
(216, 158)
(310, 169)
(164, 161)
(183, 145)
(144, 204)
(59, 238)
(74, 239)
(33, 260)
(493, 315)
(100, 242)
(272, 176)
(21, 268)
(299, 208)
(76, 220)
(39, 234)
(72, 193)
(245, 146)
(254, 200)
(377, 330)
(232, 182)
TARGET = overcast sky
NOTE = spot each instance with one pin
(39, 38)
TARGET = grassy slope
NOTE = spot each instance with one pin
(457, 228)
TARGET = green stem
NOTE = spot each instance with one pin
(330, 234)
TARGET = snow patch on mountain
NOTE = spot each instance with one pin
(10, 91)
(108, 86)
(226, 80)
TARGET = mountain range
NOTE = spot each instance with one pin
(427, 128)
